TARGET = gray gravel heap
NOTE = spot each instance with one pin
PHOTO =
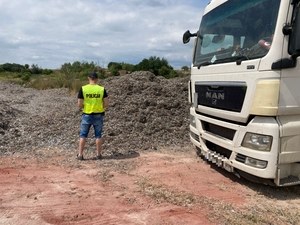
(146, 112)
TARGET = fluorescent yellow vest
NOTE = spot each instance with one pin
(93, 99)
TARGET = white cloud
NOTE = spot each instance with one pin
(93, 44)
(52, 32)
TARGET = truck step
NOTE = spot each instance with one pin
(289, 181)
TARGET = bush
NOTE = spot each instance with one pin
(114, 67)
(34, 69)
(47, 71)
(12, 67)
(160, 67)
(25, 76)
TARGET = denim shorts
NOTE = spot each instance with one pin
(95, 120)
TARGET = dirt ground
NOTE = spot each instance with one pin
(150, 173)
(161, 187)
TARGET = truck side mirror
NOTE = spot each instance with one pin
(187, 36)
(287, 29)
(294, 32)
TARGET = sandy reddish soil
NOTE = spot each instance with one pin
(89, 193)
(161, 187)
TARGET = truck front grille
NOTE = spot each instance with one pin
(195, 136)
(221, 95)
(240, 158)
(218, 130)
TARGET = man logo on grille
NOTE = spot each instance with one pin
(215, 95)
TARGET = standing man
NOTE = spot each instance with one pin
(93, 100)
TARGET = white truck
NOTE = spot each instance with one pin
(245, 89)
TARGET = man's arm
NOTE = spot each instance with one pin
(105, 100)
(105, 103)
(80, 99)
(80, 103)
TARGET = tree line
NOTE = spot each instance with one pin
(17, 68)
(158, 66)
(24, 71)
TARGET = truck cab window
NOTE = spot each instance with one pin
(235, 30)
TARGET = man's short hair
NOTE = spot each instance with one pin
(93, 75)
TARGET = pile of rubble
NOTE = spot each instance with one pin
(146, 112)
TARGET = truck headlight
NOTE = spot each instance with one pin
(257, 142)
(192, 121)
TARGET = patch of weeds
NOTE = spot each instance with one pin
(256, 215)
(286, 215)
(163, 194)
(105, 175)
(131, 200)
(123, 167)
(242, 218)
(227, 214)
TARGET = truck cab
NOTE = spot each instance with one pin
(245, 89)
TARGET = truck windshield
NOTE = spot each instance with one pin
(236, 30)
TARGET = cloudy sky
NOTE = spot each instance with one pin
(50, 33)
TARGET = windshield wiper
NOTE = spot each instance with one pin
(237, 58)
(206, 63)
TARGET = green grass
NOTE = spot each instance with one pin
(42, 82)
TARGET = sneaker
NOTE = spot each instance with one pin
(80, 157)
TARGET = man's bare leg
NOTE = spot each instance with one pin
(99, 142)
(81, 146)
